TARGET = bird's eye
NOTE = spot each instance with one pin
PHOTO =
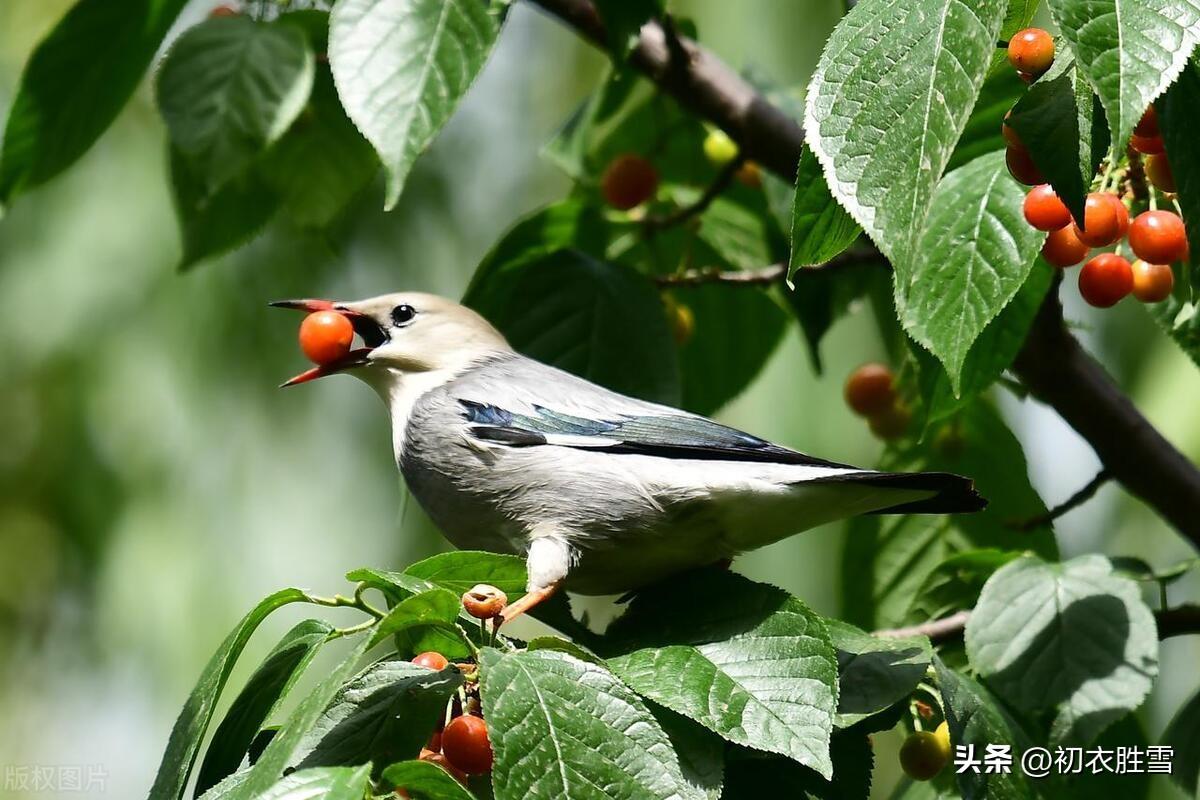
(402, 315)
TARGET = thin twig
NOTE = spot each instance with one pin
(1178, 621)
(740, 277)
(938, 630)
(763, 275)
(682, 214)
(1073, 502)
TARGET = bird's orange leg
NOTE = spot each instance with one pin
(527, 602)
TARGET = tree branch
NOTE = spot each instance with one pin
(1073, 502)
(1178, 621)
(1052, 363)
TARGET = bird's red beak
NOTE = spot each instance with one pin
(366, 327)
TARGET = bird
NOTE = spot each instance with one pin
(601, 493)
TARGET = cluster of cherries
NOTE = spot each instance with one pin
(1156, 237)
(871, 393)
(461, 746)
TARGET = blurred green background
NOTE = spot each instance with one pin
(154, 483)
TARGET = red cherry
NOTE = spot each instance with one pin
(1122, 215)
(1105, 279)
(434, 661)
(1021, 165)
(1063, 248)
(465, 743)
(1148, 124)
(1044, 210)
(1158, 170)
(891, 423)
(1102, 220)
(1158, 237)
(1152, 283)
(1031, 51)
(1010, 134)
(326, 336)
(223, 11)
(628, 181)
(1150, 145)
(870, 390)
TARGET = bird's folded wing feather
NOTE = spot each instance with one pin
(653, 433)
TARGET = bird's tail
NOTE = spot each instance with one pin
(954, 494)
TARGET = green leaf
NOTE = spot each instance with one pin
(280, 753)
(891, 94)
(992, 353)
(323, 162)
(819, 297)
(214, 224)
(1176, 119)
(422, 780)
(564, 729)
(740, 235)
(976, 720)
(982, 133)
(758, 668)
(1179, 317)
(716, 366)
(874, 672)
(460, 570)
(76, 81)
(1054, 121)
(887, 558)
(753, 775)
(1183, 734)
(386, 714)
(821, 229)
(338, 783)
(1073, 637)
(977, 251)
(270, 682)
(955, 584)
(189, 729)
(599, 320)
(701, 753)
(229, 88)
(623, 21)
(1130, 51)
(401, 68)
(424, 622)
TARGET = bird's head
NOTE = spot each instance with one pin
(403, 334)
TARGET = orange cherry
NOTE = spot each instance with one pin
(1063, 248)
(1031, 51)
(1102, 220)
(326, 336)
(1044, 210)
(870, 390)
(1105, 280)
(465, 743)
(432, 660)
(1152, 283)
(628, 181)
(1158, 237)
(1158, 170)
(1021, 165)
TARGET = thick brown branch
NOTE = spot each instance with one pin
(1057, 370)
(1052, 363)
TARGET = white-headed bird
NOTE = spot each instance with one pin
(601, 493)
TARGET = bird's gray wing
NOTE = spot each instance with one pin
(657, 434)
